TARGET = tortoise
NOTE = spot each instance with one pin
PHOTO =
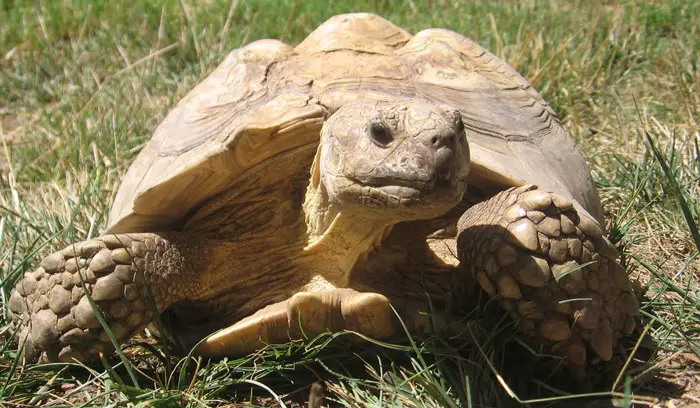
(324, 186)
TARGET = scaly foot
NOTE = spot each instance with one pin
(552, 268)
(55, 319)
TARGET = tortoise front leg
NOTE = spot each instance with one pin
(550, 265)
(56, 319)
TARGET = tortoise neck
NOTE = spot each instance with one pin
(336, 239)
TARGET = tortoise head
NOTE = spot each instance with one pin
(394, 161)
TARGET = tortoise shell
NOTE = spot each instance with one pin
(268, 98)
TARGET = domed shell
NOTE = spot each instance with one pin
(268, 98)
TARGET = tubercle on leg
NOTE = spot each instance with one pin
(552, 269)
(58, 319)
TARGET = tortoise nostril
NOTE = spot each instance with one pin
(442, 140)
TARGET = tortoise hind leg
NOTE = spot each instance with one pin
(305, 314)
(551, 267)
(56, 320)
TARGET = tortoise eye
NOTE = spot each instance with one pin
(381, 134)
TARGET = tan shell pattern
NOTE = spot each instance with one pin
(267, 98)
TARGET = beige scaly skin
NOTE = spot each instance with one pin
(58, 318)
(537, 252)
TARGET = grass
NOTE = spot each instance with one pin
(84, 83)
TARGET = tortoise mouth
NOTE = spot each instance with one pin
(393, 183)
(397, 192)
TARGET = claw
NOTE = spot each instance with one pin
(602, 340)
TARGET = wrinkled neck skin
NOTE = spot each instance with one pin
(337, 238)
